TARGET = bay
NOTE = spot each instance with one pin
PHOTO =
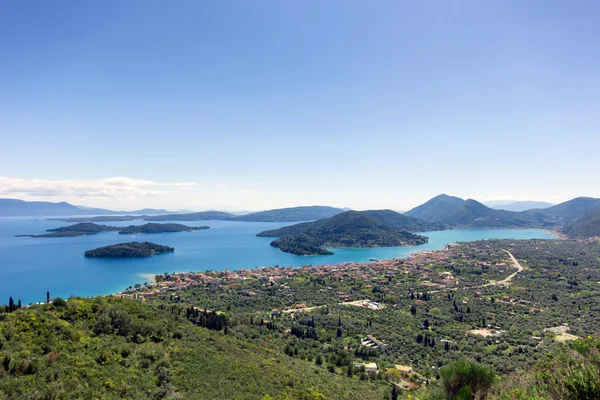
(31, 266)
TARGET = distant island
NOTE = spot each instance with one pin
(348, 229)
(159, 228)
(88, 228)
(129, 250)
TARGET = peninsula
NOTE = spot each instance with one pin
(129, 250)
(348, 229)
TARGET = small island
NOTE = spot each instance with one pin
(129, 250)
(88, 228)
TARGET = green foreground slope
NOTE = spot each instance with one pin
(109, 348)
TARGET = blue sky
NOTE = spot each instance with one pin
(262, 104)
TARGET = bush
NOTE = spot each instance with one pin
(466, 376)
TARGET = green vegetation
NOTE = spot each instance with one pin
(113, 348)
(586, 226)
(300, 245)
(159, 228)
(348, 229)
(129, 250)
(451, 316)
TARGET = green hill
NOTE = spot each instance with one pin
(586, 226)
(436, 209)
(109, 348)
(348, 229)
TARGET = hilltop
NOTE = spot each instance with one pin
(436, 209)
(348, 229)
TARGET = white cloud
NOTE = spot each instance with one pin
(101, 189)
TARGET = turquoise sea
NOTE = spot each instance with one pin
(31, 266)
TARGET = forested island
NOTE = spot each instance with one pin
(348, 229)
(129, 250)
(88, 228)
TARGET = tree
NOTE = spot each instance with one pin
(11, 305)
(47, 297)
(426, 324)
(394, 392)
(413, 309)
(319, 360)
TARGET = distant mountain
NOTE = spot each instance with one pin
(455, 212)
(21, 208)
(293, 214)
(586, 226)
(571, 216)
(159, 228)
(348, 229)
(197, 216)
(566, 213)
(436, 209)
(518, 206)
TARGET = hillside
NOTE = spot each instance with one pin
(564, 214)
(129, 250)
(395, 220)
(109, 348)
(348, 229)
(436, 209)
(586, 226)
(159, 228)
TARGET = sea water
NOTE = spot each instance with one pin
(31, 266)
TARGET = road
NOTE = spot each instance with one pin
(511, 276)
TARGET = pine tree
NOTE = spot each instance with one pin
(48, 297)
